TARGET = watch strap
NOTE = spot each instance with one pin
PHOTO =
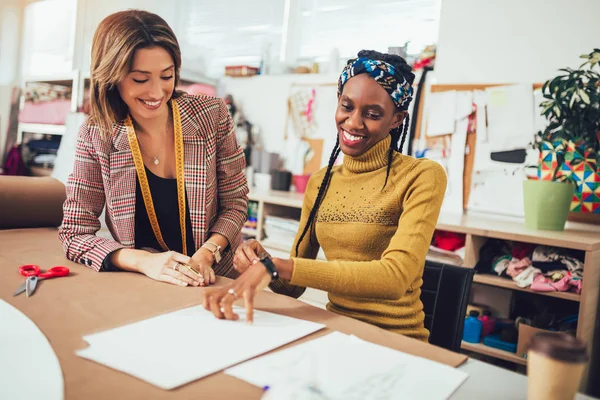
(270, 266)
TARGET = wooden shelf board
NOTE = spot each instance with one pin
(287, 249)
(46, 129)
(576, 235)
(287, 199)
(498, 281)
(481, 348)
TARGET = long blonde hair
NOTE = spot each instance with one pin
(116, 39)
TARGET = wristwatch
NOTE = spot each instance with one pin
(215, 249)
(268, 263)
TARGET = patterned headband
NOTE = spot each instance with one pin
(400, 91)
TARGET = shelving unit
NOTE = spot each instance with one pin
(287, 204)
(481, 348)
(69, 80)
(46, 129)
(478, 228)
(498, 281)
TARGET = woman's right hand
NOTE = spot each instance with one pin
(248, 253)
(167, 267)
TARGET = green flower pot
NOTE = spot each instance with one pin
(547, 204)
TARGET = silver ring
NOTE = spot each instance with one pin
(232, 292)
(176, 266)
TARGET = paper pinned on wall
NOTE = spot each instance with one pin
(441, 113)
(539, 121)
(340, 366)
(510, 117)
(497, 191)
(295, 152)
(497, 187)
(464, 104)
(140, 349)
(482, 146)
(453, 200)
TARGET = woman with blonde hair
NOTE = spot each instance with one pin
(166, 165)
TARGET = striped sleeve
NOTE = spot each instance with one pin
(231, 181)
(82, 208)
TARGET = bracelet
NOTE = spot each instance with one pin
(216, 252)
(268, 263)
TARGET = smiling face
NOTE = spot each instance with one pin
(149, 84)
(365, 115)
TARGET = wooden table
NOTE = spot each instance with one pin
(66, 309)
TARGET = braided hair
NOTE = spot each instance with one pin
(398, 135)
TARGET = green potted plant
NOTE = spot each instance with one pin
(568, 174)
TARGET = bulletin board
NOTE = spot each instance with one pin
(311, 119)
(469, 160)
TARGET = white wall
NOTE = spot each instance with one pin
(502, 41)
(48, 37)
(11, 15)
(91, 12)
(263, 100)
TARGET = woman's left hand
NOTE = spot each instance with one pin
(202, 263)
(220, 300)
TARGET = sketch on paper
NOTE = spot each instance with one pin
(339, 366)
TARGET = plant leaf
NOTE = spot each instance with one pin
(584, 96)
(557, 111)
(572, 101)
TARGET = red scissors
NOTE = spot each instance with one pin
(34, 274)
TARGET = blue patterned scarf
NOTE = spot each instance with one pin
(399, 89)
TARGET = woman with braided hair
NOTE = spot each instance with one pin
(374, 215)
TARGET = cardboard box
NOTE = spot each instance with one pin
(526, 332)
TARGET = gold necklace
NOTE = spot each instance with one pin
(155, 159)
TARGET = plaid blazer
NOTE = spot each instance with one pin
(104, 175)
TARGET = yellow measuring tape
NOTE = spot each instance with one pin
(141, 172)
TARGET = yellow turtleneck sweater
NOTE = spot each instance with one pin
(375, 240)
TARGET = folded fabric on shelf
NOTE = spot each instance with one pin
(555, 254)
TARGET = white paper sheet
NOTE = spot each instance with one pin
(29, 368)
(453, 199)
(464, 104)
(176, 348)
(498, 191)
(539, 121)
(510, 117)
(339, 366)
(482, 148)
(441, 113)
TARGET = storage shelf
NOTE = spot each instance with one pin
(46, 129)
(576, 235)
(287, 199)
(267, 244)
(481, 348)
(498, 281)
